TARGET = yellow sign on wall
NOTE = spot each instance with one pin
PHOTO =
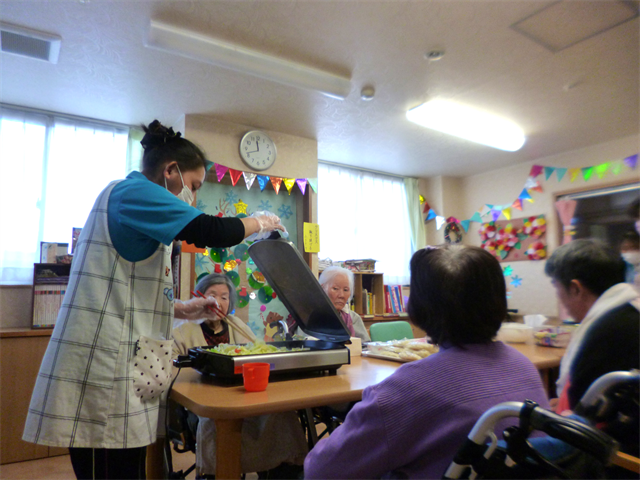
(311, 237)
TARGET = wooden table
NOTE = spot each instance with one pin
(229, 405)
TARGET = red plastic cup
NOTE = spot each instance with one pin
(255, 376)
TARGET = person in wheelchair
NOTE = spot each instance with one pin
(273, 445)
(411, 424)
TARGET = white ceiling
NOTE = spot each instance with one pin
(584, 94)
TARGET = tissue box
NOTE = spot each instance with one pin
(515, 333)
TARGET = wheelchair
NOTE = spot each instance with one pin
(603, 447)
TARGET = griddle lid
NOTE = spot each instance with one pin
(288, 274)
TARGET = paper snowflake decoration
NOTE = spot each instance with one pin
(202, 261)
(231, 197)
(200, 205)
(285, 211)
(508, 270)
(265, 206)
(516, 281)
(241, 207)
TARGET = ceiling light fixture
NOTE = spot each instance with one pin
(203, 48)
(468, 123)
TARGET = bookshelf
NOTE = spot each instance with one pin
(372, 283)
(49, 286)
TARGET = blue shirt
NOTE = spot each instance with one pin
(142, 214)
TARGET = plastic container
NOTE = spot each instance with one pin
(255, 376)
(515, 333)
(554, 336)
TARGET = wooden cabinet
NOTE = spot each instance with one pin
(372, 283)
(21, 352)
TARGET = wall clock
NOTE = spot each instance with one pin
(257, 150)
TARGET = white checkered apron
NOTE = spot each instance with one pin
(83, 395)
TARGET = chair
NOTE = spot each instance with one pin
(384, 331)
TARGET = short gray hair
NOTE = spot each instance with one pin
(218, 279)
(329, 274)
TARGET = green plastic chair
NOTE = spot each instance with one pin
(385, 331)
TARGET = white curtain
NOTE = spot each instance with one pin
(364, 215)
(53, 170)
(418, 235)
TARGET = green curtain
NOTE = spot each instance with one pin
(418, 235)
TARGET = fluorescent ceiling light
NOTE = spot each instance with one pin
(200, 47)
(468, 123)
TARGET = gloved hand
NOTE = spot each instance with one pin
(268, 223)
(195, 309)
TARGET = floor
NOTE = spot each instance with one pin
(59, 468)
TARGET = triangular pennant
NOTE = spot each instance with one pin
(465, 225)
(507, 213)
(530, 183)
(548, 171)
(439, 222)
(289, 182)
(431, 215)
(426, 207)
(616, 167)
(421, 199)
(586, 173)
(524, 195)
(476, 217)
(631, 161)
(302, 184)
(601, 169)
(517, 204)
(249, 178)
(535, 171)
(313, 183)
(276, 182)
(452, 220)
(495, 214)
(560, 172)
(537, 187)
(484, 210)
(263, 180)
(574, 172)
(220, 171)
(235, 176)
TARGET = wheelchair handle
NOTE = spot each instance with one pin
(596, 399)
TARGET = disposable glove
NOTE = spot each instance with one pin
(195, 309)
(268, 223)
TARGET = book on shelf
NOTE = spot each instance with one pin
(50, 250)
(47, 300)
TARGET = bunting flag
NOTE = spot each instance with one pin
(276, 182)
(537, 187)
(262, 181)
(574, 172)
(426, 207)
(289, 182)
(586, 173)
(535, 171)
(431, 215)
(530, 183)
(249, 178)
(476, 217)
(439, 222)
(548, 171)
(507, 213)
(453, 220)
(560, 173)
(616, 167)
(221, 170)
(495, 214)
(235, 176)
(422, 200)
(601, 169)
(631, 161)
(465, 225)
(313, 183)
(517, 204)
(524, 195)
(484, 210)
(302, 184)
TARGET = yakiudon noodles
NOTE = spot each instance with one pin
(252, 349)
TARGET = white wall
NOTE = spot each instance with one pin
(501, 187)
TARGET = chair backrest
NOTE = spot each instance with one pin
(384, 331)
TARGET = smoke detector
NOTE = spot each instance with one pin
(30, 43)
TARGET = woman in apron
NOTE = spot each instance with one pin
(121, 289)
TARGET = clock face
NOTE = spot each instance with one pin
(257, 150)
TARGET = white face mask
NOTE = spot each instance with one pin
(185, 195)
(632, 258)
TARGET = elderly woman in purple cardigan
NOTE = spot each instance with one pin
(412, 424)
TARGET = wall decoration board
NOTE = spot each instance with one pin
(257, 303)
(516, 239)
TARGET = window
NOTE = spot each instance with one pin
(364, 215)
(53, 168)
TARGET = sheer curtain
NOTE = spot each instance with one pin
(53, 170)
(364, 215)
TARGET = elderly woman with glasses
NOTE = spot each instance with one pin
(412, 424)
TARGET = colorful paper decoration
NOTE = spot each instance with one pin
(508, 270)
(262, 181)
(616, 167)
(560, 173)
(241, 207)
(548, 171)
(476, 217)
(431, 215)
(313, 183)
(537, 251)
(601, 169)
(631, 161)
(426, 207)
(517, 204)
(465, 225)
(288, 183)
(574, 172)
(487, 231)
(439, 222)
(535, 226)
(507, 213)
(235, 176)
(249, 178)
(586, 173)
(276, 182)
(535, 171)
(421, 198)
(516, 281)
(221, 170)
(302, 184)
